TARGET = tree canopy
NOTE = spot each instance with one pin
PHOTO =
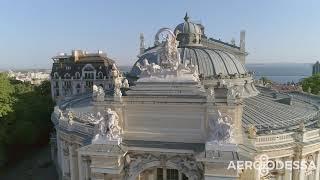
(311, 84)
(25, 112)
(6, 99)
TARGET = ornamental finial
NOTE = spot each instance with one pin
(186, 17)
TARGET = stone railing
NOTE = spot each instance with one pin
(311, 134)
(275, 139)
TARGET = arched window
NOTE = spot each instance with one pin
(67, 76)
(56, 75)
(77, 75)
(88, 71)
(100, 75)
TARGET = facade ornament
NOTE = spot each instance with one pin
(188, 166)
(136, 163)
(234, 93)
(117, 92)
(115, 71)
(252, 131)
(114, 129)
(220, 129)
(98, 93)
(117, 81)
(61, 116)
(210, 94)
(170, 67)
(125, 84)
(70, 117)
(169, 54)
(109, 130)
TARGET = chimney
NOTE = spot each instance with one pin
(76, 54)
(243, 40)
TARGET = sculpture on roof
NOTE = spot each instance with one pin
(234, 92)
(114, 129)
(125, 84)
(97, 93)
(169, 54)
(70, 117)
(220, 128)
(107, 126)
(170, 66)
(252, 131)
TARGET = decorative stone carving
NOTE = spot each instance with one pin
(170, 68)
(117, 81)
(252, 131)
(137, 163)
(70, 117)
(65, 148)
(188, 166)
(220, 129)
(114, 129)
(210, 94)
(169, 54)
(125, 84)
(98, 93)
(109, 130)
(115, 71)
(234, 92)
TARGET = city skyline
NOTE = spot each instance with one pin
(34, 32)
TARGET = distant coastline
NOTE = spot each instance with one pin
(277, 72)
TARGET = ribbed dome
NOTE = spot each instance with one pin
(211, 62)
(188, 33)
(188, 27)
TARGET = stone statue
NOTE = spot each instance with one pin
(115, 71)
(125, 84)
(97, 93)
(220, 128)
(102, 125)
(101, 94)
(94, 92)
(70, 117)
(114, 129)
(169, 55)
(252, 131)
(233, 93)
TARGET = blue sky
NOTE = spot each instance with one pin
(32, 31)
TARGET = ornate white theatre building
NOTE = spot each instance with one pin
(192, 111)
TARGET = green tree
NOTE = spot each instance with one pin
(312, 83)
(265, 80)
(28, 122)
(6, 99)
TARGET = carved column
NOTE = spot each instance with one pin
(65, 161)
(164, 173)
(73, 162)
(81, 167)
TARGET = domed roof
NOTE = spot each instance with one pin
(210, 62)
(187, 27)
(188, 33)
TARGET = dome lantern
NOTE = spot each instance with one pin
(188, 33)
